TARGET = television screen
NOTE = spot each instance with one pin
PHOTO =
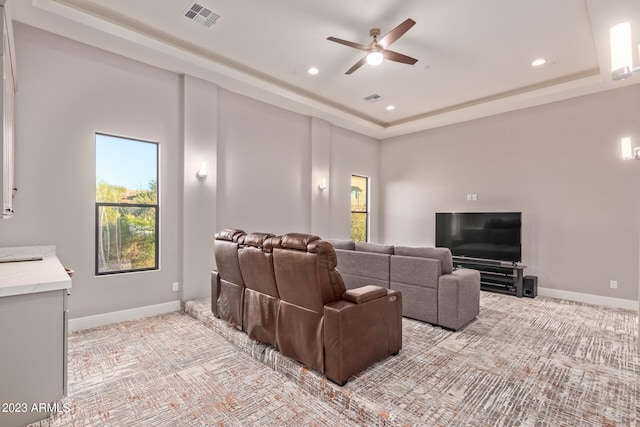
(484, 235)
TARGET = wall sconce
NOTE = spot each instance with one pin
(202, 173)
(323, 184)
(628, 152)
(621, 52)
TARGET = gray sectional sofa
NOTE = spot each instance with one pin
(432, 290)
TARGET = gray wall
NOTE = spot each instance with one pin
(559, 164)
(264, 165)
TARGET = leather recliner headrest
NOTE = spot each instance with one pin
(256, 240)
(270, 243)
(298, 241)
(229, 234)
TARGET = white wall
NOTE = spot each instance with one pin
(321, 168)
(271, 162)
(200, 142)
(559, 164)
(67, 92)
(264, 166)
(352, 153)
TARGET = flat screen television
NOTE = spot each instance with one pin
(484, 235)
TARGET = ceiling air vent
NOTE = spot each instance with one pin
(201, 14)
(372, 98)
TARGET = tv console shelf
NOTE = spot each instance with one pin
(495, 276)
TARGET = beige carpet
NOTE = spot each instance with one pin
(171, 370)
(523, 362)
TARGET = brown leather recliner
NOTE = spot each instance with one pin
(320, 323)
(261, 299)
(227, 284)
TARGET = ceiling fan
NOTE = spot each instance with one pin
(377, 49)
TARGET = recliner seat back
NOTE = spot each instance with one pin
(261, 298)
(302, 265)
(228, 301)
(305, 271)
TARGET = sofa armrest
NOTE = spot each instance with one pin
(358, 335)
(464, 274)
(364, 294)
(458, 298)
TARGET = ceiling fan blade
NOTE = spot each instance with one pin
(398, 57)
(396, 33)
(348, 43)
(357, 65)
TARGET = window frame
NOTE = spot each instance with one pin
(367, 210)
(155, 206)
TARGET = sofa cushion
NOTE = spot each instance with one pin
(418, 302)
(374, 247)
(348, 245)
(416, 271)
(442, 254)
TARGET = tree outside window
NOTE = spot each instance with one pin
(126, 205)
(359, 208)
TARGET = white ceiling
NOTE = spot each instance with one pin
(474, 57)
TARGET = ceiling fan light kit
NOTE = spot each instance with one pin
(377, 51)
(374, 53)
(375, 57)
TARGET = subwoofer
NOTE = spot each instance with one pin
(530, 286)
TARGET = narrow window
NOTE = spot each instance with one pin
(359, 208)
(126, 205)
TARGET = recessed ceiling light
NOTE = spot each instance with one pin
(391, 107)
(313, 71)
(538, 62)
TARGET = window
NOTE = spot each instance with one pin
(126, 205)
(359, 208)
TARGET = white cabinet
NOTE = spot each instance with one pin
(33, 334)
(7, 107)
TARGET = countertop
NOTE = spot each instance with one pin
(27, 277)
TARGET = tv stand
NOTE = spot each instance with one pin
(494, 275)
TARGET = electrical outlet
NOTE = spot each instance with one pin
(175, 286)
(613, 284)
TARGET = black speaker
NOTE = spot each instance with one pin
(530, 286)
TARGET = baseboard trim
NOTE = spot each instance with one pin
(122, 315)
(628, 304)
(168, 307)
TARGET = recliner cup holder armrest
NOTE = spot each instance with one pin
(364, 294)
